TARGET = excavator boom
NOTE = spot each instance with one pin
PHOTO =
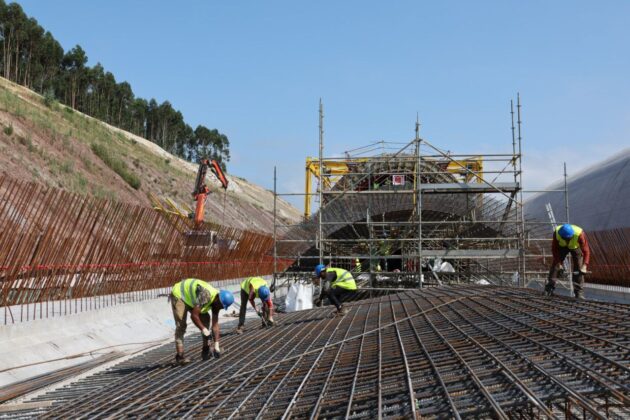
(201, 191)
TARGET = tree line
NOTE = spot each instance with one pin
(33, 58)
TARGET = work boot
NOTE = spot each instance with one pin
(341, 311)
(549, 288)
(239, 330)
(205, 352)
(181, 360)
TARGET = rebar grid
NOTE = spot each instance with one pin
(447, 352)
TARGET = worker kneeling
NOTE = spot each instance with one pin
(338, 285)
(199, 298)
(252, 288)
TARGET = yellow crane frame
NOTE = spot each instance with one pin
(335, 169)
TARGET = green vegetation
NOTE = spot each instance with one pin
(72, 133)
(67, 167)
(49, 97)
(8, 130)
(26, 141)
(116, 165)
(33, 58)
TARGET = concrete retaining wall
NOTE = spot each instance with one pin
(147, 322)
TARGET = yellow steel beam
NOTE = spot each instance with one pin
(331, 167)
(474, 165)
(339, 168)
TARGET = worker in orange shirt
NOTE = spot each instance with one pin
(569, 239)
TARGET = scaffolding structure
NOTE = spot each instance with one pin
(412, 214)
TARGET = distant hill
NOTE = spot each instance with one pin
(47, 142)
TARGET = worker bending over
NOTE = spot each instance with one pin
(338, 285)
(199, 298)
(252, 288)
(569, 239)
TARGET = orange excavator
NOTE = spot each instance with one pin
(201, 189)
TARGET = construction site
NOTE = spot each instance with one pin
(451, 319)
(314, 210)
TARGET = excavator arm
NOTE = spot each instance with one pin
(201, 191)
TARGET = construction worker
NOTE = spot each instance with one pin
(252, 288)
(199, 298)
(569, 239)
(338, 285)
(357, 266)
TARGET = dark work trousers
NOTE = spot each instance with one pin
(244, 303)
(578, 281)
(337, 295)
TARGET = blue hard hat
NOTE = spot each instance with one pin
(319, 268)
(226, 297)
(566, 231)
(263, 293)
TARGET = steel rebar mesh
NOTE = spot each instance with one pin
(447, 352)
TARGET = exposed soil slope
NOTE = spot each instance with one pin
(52, 144)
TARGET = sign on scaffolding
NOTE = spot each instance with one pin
(398, 180)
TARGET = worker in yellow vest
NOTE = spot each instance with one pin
(338, 285)
(569, 239)
(357, 266)
(199, 298)
(252, 288)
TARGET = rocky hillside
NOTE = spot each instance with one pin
(44, 141)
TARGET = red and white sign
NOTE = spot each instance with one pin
(398, 179)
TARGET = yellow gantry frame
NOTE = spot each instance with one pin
(335, 169)
(475, 165)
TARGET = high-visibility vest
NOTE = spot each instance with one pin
(571, 243)
(344, 279)
(357, 268)
(256, 282)
(186, 290)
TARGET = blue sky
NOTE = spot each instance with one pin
(256, 70)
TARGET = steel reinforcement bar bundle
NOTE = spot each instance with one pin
(447, 352)
(55, 245)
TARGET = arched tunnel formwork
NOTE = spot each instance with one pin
(403, 215)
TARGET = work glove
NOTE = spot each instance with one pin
(260, 314)
(583, 269)
(216, 351)
(205, 332)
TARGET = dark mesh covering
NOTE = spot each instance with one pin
(599, 197)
